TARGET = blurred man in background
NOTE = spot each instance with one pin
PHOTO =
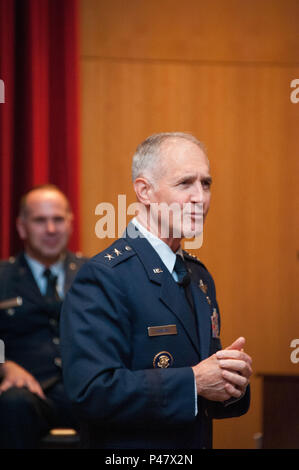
(32, 287)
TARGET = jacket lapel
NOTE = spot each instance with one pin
(174, 298)
(24, 279)
(170, 293)
(71, 267)
(28, 289)
(203, 312)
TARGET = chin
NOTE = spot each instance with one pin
(52, 254)
(192, 229)
(192, 233)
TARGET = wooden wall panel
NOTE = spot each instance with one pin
(239, 105)
(221, 30)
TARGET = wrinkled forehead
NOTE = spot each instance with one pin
(179, 153)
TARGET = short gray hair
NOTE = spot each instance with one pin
(148, 154)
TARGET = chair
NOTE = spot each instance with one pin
(60, 438)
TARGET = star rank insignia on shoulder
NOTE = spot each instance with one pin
(191, 257)
(109, 257)
(116, 253)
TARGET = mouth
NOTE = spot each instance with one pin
(195, 216)
(52, 242)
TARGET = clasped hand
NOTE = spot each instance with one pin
(224, 375)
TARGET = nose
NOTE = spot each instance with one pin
(51, 228)
(198, 193)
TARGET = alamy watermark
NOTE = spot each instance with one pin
(294, 96)
(164, 220)
(295, 354)
(2, 352)
(2, 92)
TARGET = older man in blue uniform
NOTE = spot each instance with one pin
(143, 362)
(32, 287)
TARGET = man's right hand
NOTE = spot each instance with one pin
(14, 375)
(224, 375)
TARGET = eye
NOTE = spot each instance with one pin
(185, 182)
(39, 220)
(58, 220)
(206, 184)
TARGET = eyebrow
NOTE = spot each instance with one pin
(208, 179)
(191, 176)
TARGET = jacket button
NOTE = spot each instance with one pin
(57, 361)
(56, 340)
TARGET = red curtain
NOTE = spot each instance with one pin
(39, 119)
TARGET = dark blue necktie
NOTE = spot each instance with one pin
(182, 272)
(184, 280)
(51, 292)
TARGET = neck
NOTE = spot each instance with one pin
(173, 243)
(45, 260)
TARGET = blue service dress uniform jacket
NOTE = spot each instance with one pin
(29, 326)
(133, 389)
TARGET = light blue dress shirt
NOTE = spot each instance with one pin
(163, 250)
(37, 269)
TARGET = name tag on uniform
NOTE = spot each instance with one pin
(9, 303)
(162, 330)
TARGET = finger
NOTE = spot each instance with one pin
(233, 391)
(5, 385)
(35, 388)
(235, 379)
(234, 365)
(234, 354)
(237, 344)
(20, 382)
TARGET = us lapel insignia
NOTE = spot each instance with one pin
(157, 270)
(203, 287)
(163, 360)
(215, 324)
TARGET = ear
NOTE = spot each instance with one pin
(143, 189)
(20, 224)
(71, 221)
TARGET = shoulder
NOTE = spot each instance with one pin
(8, 265)
(202, 275)
(200, 268)
(117, 253)
(193, 259)
(104, 269)
(9, 272)
(75, 259)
